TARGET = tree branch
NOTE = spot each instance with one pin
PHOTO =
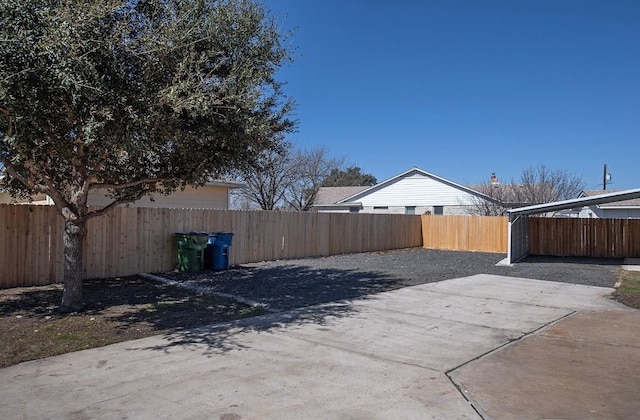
(96, 186)
(112, 205)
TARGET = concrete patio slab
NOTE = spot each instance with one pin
(382, 356)
(586, 366)
(488, 312)
(264, 375)
(529, 291)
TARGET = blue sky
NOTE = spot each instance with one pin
(464, 88)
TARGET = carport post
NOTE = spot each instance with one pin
(512, 220)
(509, 239)
(518, 241)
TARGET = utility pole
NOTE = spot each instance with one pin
(604, 178)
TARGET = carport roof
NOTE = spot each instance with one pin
(576, 203)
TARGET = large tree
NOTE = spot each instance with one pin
(132, 98)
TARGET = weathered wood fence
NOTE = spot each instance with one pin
(614, 238)
(134, 240)
(127, 241)
(465, 233)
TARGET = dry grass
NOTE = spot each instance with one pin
(115, 310)
(629, 290)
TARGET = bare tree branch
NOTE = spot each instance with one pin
(537, 185)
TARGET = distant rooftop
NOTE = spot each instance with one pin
(331, 195)
(626, 203)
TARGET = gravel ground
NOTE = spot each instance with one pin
(282, 285)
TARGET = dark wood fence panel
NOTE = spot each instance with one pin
(611, 238)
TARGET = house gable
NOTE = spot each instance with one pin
(416, 187)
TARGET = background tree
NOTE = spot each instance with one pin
(310, 168)
(287, 178)
(501, 195)
(131, 98)
(351, 177)
(267, 179)
(537, 185)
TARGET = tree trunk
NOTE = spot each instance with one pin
(74, 231)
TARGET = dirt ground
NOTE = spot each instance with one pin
(117, 310)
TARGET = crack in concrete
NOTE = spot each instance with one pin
(465, 394)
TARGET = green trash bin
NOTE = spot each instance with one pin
(191, 248)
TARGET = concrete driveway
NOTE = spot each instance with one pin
(480, 346)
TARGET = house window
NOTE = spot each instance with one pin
(438, 210)
(380, 207)
(410, 210)
(354, 209)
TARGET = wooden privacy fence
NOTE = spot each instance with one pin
(465, 233)
(127, 241)
(614, 238)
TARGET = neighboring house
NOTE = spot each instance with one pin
(5, 198)
(627, 209)
(329, 196)
(213, 195)
(412, 192)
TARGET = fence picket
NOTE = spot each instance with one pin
(127, 241)
(465, 233)
(605, 238)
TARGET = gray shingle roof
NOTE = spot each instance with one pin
(331, 195)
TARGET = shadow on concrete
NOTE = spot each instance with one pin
(319, 290)
(222, 338)
(297, 295)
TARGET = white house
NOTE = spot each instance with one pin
(414, 191)
(627, 209)
(212, 195)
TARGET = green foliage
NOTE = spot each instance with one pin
(135, 96)
(130, 98)
(352, 177)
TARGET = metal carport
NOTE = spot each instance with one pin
(518, 241)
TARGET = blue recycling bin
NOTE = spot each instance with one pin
(218, 250)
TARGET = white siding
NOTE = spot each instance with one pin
(333, 210)
(205, 197)
(415, 190)
(610, 212)
(448, 210)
